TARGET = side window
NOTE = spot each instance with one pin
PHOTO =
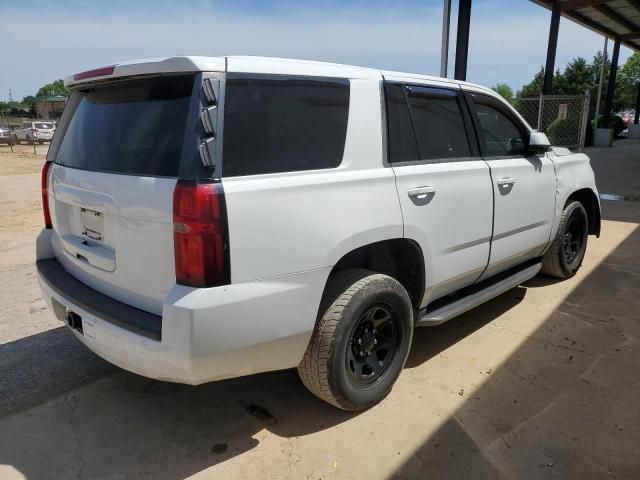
(283, 125)
(502, 136)
(403, 146)
(439, 125)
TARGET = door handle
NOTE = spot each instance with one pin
(421, 192)
(506, 181)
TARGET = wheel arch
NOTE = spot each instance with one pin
(589, 200)
(399, 258)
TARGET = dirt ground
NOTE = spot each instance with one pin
(541, 382)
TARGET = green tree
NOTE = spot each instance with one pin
(629, 79)
(52, 89)
(533, 88)
(504, 90)
(576, 78)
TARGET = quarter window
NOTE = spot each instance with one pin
(502, 136)
(403, 146)
(283, 125)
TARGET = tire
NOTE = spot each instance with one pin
(29, 140)
(564, 257)
(16, 141)
(337, 365)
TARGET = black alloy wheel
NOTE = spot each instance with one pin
(373, 345)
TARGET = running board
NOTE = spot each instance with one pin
(457, 307)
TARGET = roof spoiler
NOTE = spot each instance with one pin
(148, 66)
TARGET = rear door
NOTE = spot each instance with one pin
(524, 185)
(117, 156)
(443, 184)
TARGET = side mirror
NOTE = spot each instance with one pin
(538, 143)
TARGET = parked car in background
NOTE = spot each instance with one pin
(208, 218)
(30, 132)
(5, 134)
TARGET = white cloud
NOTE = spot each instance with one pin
(504, 47)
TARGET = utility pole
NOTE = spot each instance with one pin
(10, 97)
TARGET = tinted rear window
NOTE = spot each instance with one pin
(281, 125)
(134, 127)
(403, 146)
(43, 126)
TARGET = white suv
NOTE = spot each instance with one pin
(30, 132)
(208, 218)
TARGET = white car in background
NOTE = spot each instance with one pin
(5, 134)
(31, 132)
(208, 218)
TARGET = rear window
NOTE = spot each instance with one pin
(43, 126)
(133, 127)
(439, 125)
(283, 125)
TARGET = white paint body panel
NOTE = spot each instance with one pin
(137, 228)
(454, 227)
(524, 210)
(298, 221)
(573, 173)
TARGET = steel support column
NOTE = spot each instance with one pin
(462, 39)
(611, 87)
(637, 117)
(552, 46)
(444, 52)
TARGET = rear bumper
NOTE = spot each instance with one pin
(205, 334)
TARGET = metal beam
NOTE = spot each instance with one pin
(552, 46)
(611, 87)
(575, 4)
(635, 4)
(637, 117)
(616, 17)
(601, 29)
(462, 39)
(631, 36)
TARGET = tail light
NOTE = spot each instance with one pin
(45, 194)
(200, 234)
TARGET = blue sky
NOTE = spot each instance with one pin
(50, 40)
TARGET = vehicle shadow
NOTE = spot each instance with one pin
(430, 341)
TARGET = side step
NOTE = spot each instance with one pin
(475, 298)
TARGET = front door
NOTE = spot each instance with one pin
(524, 186)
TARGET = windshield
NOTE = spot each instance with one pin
(134, 127)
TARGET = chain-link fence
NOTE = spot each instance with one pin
(563, 118)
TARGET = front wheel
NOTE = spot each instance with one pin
(564, 257)
(361, 340)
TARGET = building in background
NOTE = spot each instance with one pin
(50, 108)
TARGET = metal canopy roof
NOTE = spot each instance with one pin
(613, 18)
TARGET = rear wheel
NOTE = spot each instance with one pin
(16, 141)
(564, 257)
(29, 140)
(361, 340)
